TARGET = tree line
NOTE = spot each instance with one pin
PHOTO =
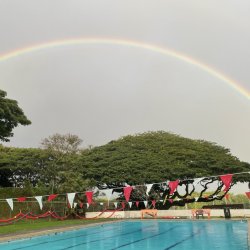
(61, 165)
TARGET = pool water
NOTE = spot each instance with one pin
(150, 234)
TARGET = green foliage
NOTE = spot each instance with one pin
(63, 164)
(18, 165)
(144, 158)
(11, 115)
(155, 157)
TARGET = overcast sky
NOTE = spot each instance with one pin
(102, 92)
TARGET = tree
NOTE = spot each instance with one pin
(18, 165)
(63, 167)
(11, 115)
(62, 144)
(157, 156)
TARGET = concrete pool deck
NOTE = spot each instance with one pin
(41, 232)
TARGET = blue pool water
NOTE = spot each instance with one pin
(152, 234)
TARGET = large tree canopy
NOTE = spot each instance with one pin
(155, 157)
(11, 115)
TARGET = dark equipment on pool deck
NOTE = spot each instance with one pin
(227, 213)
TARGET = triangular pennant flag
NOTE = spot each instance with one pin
(130, 204)
(101, 203)
(74, 204)
(52, 197)
(137, 203)
(10, 202)
(115, 204)
(89, 195)
(153, 203)
(196, 198)
(248, 195)
(123, 204)
(227, 196)
(21, 199)
(226, 179)
(39, 200)
(173, 185)
(170, 200)
(87, 204)
(145, 203)
(161, 200)
(81, 205)
(108, 193)
(149, 186)
(71, 197)
(127, 191)
(197, 181)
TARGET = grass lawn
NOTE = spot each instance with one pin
(29, 225)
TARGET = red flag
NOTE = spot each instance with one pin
(81, 205)
(153, 203)
(170, 200)
(21, 199)
(137, 203)
(173, 185)
(127, 192)
(52, 197)
(248, 195)
(123, 204)
(227, 196)
(226, 179)
(89, 195)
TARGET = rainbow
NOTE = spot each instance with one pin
(133, 44)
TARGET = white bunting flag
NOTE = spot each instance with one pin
(197, 181)
(39, 200)
(145, 203)
(87, 205)
(196, 198)
(108, 193)
(149, 186)
(101, 203)
(130, 204)
(115, 204)
(161, 200)
(10, 202)
(71, 197)
(74, 204)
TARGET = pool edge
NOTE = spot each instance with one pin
(28, 235)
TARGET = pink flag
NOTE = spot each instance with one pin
(123, 204)
(227, 197)
(89, 195)
(173, 185)
(137, 203)
(248, 195)
(153, 203)
(52, 197)
(21, 199)
(127, 192)
(170, 200)
(226, 179)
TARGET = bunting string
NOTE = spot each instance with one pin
(127, 189)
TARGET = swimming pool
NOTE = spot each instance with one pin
(151, 234)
